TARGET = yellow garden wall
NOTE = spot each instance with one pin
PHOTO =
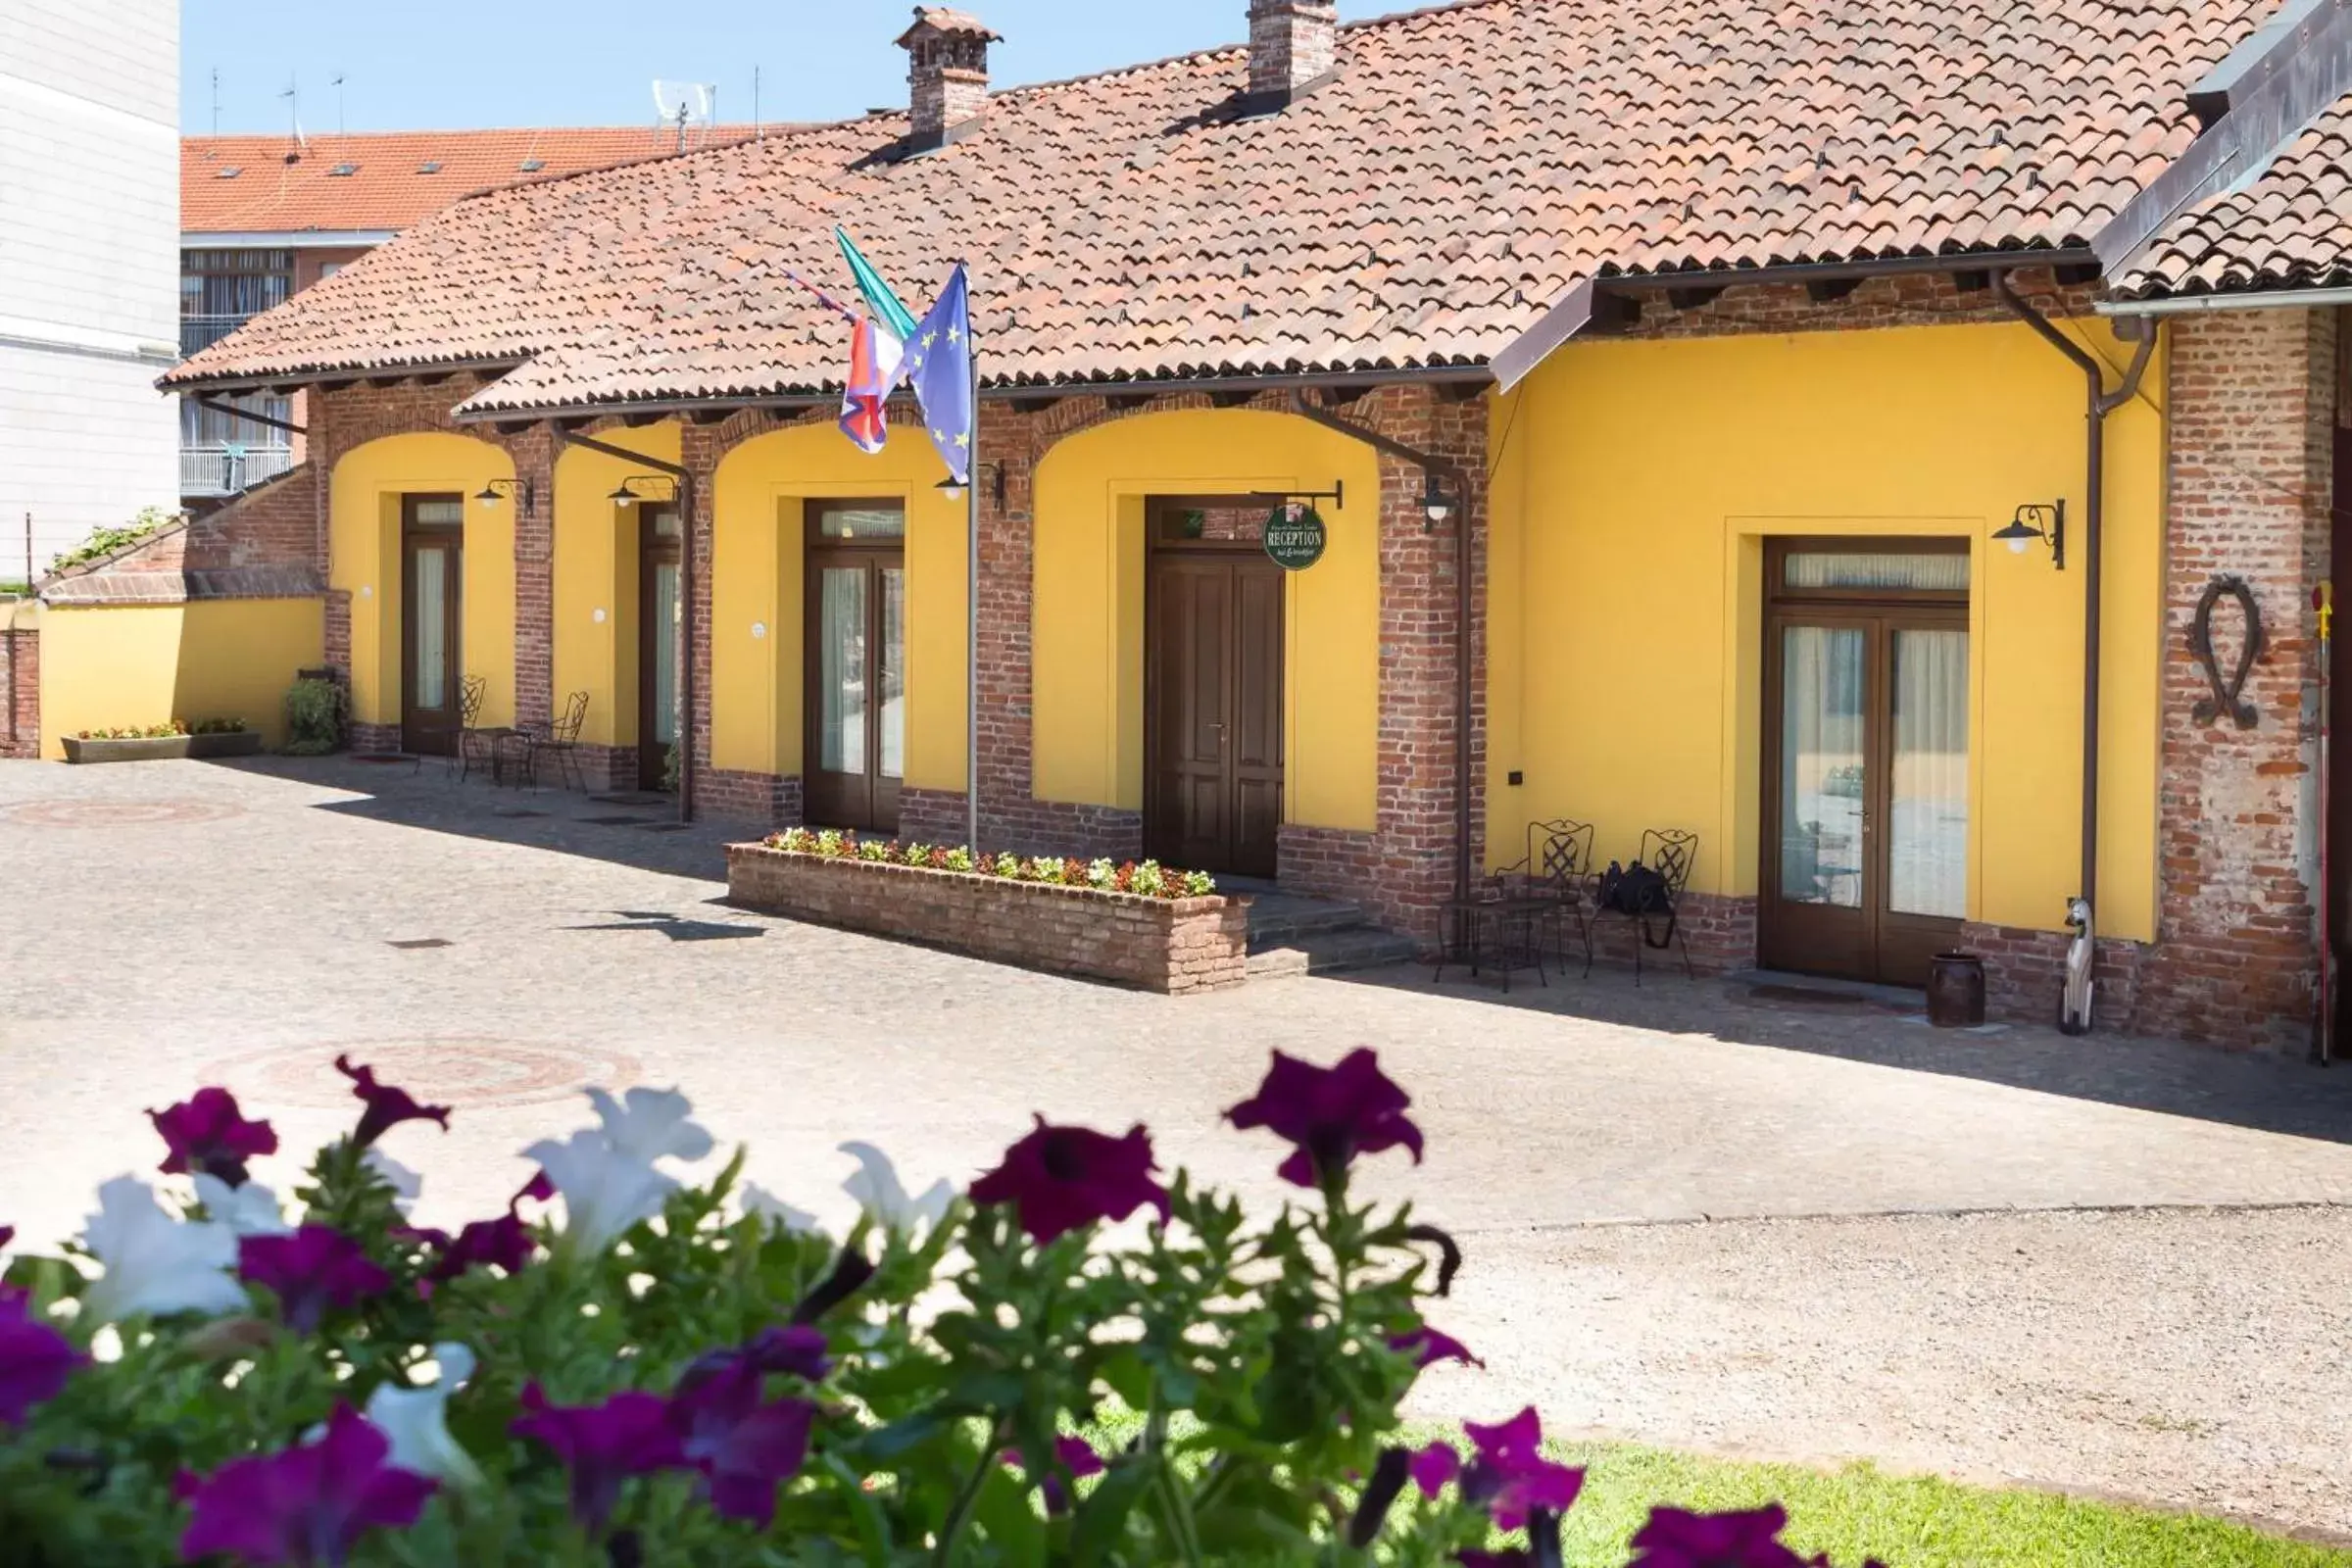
(760, 493)
(1636, 481)
(108, 665)
(1087, 626)
(364, 559)
(597, 552)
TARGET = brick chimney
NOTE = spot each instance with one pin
(1294, 48)
(947, 71)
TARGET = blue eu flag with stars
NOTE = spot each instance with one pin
(939, 365)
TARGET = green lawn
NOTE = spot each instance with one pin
(1906, 1522)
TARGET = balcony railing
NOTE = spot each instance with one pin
(224, 471)
(200, 332)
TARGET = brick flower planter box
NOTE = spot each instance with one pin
(1175, 946)
(163, 748)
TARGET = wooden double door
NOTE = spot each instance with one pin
(1213, 688)
(1866, 808)
(432, 614)
(854, 664)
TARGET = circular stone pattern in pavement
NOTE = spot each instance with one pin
(458, 1072)
(115, 813)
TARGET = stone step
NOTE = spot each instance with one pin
(1330, 951)
(1279, 918)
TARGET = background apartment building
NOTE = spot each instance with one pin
(89, 117)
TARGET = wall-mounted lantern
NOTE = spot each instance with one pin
(1436, 501)
(626, 493)
(2037, 520)
(497, 491)
(954, 488)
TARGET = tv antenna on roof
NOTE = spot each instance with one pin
(686, 105)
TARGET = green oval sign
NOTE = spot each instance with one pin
(1294, 537)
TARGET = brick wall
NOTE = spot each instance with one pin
(20, 687)
(1173, 946)
(2252, 406)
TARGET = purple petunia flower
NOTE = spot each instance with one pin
(1510, 1476)
(743, 1448)
(1427, 1345)
(1432, 1468)
(34, 1358)
(206, 1132)
(315, 1268)
(790, 1347)
(386, 1106)
(1674, 1539)
(1331, 1114)
(1075, 1456)
(504, 1241)
(1060, 1178)
(602, 1444)
(306, 1507)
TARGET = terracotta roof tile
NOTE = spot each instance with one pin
(2291, 227)
(1467, 165)
(389, 186)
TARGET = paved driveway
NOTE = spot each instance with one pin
(1693, 1217)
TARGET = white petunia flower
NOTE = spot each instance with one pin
(879, 1192)
(405, 1183)
(605, 1191)
(154, 1263)
(248, 1210)
(758, 1200)
(649, 1123)
(416, 1421)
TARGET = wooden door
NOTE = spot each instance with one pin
(1213, 731)
(432, 665)
(855, 664)
(658, 623)
(1866, 808)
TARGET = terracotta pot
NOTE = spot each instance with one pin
(1955, 990)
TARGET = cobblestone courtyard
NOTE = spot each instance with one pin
(1693, 1217)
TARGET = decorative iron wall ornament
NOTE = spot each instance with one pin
(2224, 697)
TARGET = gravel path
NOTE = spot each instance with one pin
(168, 924)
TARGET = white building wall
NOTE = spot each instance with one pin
(89, 266)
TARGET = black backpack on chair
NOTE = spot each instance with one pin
(1640, 891)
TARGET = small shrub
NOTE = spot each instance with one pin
(150, 521)
(313, 718)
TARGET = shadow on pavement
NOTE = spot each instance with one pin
(635, 830)
(2269, 1093)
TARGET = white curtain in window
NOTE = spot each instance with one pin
(841, 643)
(1928, 855)
(1821, 772)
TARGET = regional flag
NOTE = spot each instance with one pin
(939, 365)
(866, 392)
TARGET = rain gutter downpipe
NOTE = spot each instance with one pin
(686, 520)
(1430, 463)
(2098, 404)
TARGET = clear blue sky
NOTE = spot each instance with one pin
(431, 64)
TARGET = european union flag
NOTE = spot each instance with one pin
(939, 365)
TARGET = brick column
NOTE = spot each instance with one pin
(2252, 421)
(534, 455)
(19, 685)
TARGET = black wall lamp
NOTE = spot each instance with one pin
(2037, 521)
(626, 494)
(1436, 501)
(954, 487)
(497, 491)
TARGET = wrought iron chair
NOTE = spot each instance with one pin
(1503, 920)
(562, 741)
(1671, 853)
(475, 744)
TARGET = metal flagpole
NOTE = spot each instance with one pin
(971, 589)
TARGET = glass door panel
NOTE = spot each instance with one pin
(666, 651)
(1825, 773)
(432, 628)
(1927, 871)
(893, 716)
(841, 675)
